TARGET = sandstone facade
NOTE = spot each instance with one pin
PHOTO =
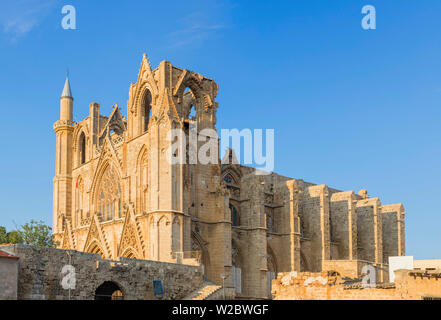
(116, 194)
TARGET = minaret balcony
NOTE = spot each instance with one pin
(64, 123)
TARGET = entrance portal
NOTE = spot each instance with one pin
(109, 291)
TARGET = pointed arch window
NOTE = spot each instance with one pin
(79, 200)
(189, 104)
(82, 148)
(146, 109)
(119, 204)
(143, 178)
(230, 179)
(109, 202)
(102, 204)
(234, 216)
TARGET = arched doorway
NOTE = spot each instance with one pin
(109, 291)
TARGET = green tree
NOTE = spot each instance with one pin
(37, 233)
(3, 235)
(14, 237)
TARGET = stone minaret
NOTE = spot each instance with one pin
(63, 168)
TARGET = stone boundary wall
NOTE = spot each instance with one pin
(409, 285)
(40, 275)
(354, 268)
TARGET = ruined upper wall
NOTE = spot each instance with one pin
(163, 91)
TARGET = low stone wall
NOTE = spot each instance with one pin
(324, 286)
(8, 277)
(409, 285)
(40, 275)
(419, 284)
(354, 268)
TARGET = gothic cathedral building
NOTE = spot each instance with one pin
(117, 194)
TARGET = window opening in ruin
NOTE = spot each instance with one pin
(234, 216)
(147, 110)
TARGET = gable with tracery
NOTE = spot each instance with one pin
(96, 241)
(131, 244)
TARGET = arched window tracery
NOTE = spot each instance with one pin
(95, 248)
(230, 179)
(109, 202)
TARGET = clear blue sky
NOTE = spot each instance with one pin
(353, 109)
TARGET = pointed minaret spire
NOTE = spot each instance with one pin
(66, 102)
(66, 90)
